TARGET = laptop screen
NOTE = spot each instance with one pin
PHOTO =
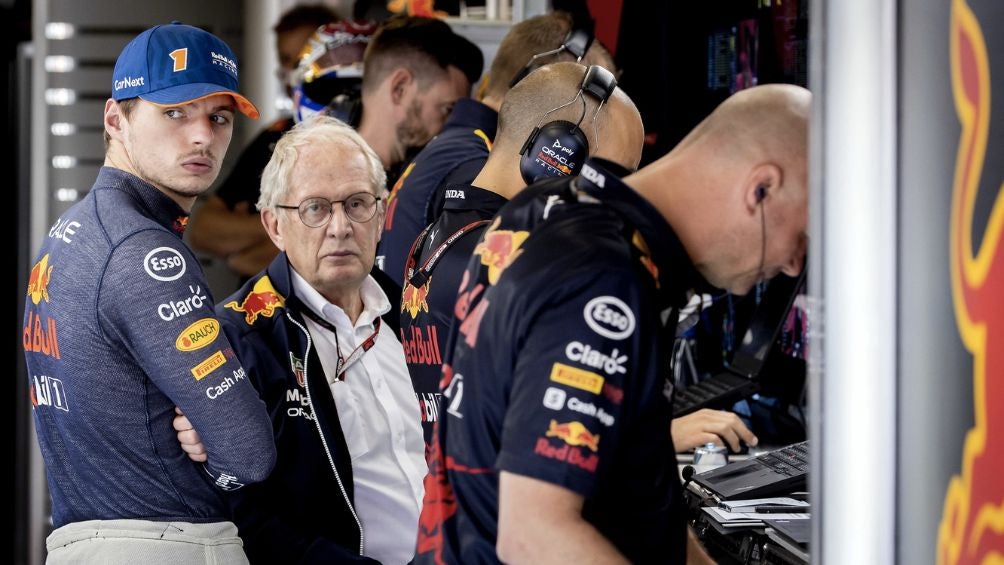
(765, 324)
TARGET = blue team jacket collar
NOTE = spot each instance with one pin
(469, 197)
(470, 113)
(158, 205)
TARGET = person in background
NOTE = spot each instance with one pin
(330, 74)
(225, 225)
(558, 389)
(347, 485)
(416, 69)
(457, 154)
(120, 333)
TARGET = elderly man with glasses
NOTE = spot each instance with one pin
(347, 484)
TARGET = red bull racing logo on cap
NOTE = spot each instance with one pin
(499, 249)
(38, 280)
(263, 300)
(413, 299)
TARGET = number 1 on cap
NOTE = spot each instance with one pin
(180, 58)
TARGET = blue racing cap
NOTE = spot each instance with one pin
(175, 64)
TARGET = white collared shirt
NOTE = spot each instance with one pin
(379, 418)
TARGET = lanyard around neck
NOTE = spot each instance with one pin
(345, 362)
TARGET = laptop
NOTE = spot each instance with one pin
(741, 378)
(792, 537)
(778, 472)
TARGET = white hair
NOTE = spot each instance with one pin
(275, 177)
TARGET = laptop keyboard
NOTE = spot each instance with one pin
(791, 461)
(712, 392)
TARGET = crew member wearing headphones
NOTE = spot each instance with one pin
(532, 143)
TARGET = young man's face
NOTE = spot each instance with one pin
(430, 106)
(178, 149)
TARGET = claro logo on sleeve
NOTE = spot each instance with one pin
(164, 264)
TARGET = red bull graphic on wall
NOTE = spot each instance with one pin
(972, 524)
(263, 300)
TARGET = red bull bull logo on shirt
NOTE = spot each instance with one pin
(574, 436)
(38, 280)
(263, 300)
(574, 433)
(413, 298)
(499, 249)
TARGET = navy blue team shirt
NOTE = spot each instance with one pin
(435, 267)
(559, 371)
(119, 329)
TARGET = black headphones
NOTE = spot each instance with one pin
(761, 193)
(577, 42)
(558, 148)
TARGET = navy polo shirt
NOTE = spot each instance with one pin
(428, 300)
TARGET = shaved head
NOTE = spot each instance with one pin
(768, 122)
(616, 133)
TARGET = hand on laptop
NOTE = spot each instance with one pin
(711, 426)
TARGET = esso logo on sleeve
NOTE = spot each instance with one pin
(609, 316)
(164, 264)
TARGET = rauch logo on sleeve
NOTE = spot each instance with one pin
(198, 335)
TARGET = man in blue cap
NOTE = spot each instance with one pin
(120, 333)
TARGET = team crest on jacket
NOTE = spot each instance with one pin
(263, 300)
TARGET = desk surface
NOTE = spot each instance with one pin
(749, 545)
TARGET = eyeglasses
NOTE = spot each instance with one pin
(316, 212)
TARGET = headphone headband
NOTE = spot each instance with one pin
(599, 82)
(577, 42)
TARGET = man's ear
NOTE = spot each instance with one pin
(763, 181)
(114, 120)
(401, 83)
(270, 221)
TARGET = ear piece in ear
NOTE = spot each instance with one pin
(761, 193)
